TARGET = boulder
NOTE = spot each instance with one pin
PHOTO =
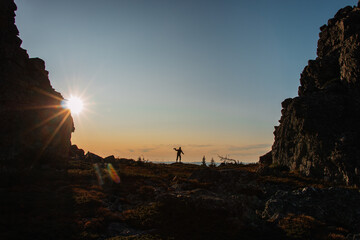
(34, 126)
(76, 153)
(266, 159)
(319, 130)
(110, 159)
(93, 158)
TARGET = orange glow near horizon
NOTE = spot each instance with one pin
(127, 132)
(127, 145)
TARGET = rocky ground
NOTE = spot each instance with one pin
(177, 201)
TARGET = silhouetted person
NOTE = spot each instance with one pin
(178, 155)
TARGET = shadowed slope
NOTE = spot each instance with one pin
(34, 126)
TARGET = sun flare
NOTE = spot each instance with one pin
(74, 104)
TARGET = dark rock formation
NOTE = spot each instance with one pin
(93, 158)
(76, 153)
(34, 126)
(266, 159)
(110, 159)
(319, 130)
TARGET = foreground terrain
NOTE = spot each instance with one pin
(176, 201)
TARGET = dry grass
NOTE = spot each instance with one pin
(307, 227)
(143, 216)
(300, 226)
(293, 179)
(58, 204)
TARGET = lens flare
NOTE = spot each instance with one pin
(114, 176)
(74, 104)
(98, 174)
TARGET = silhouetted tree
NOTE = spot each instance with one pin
(212, 163)
(203, 161)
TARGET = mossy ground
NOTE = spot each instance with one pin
(47, 203)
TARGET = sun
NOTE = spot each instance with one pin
(74, 104)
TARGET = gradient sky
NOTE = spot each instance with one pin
(206, 75)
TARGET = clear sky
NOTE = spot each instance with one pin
(206, 75)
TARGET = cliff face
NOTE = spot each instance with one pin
(34, 126)
(319, 131)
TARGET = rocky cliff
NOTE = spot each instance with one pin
(34, 126)
(319, 130)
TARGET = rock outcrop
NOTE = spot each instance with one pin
(340, 208)
(93, 158)
(34, 126)
(319, 130)
(76, 153)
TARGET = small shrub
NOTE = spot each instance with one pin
(143, 216)
(212, 163)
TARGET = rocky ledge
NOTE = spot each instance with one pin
(319, 130)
